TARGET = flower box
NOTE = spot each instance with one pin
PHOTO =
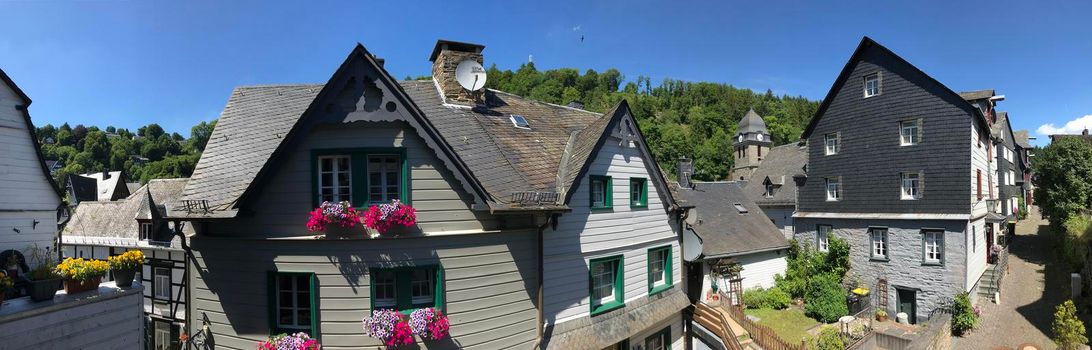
(81, 275)
(395, 329)
(336, 220)
(72, 286)
(390, 219)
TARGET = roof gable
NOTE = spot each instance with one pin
(725, 230)
(866, 46)
(30, 128)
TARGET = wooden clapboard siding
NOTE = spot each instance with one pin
(759, 268)
(488, 281)
(585, 234)
(26, 194)
(281, 207)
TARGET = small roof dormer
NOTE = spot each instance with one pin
(752, 129)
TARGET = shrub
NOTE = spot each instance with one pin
(1067, 328)
(777, 299)
(963, 315)
(829, 339)
(804, 263)
(826, 300)
(754, 298)
(1075, 240)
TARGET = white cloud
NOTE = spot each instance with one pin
(1075, 126)
(576, 28)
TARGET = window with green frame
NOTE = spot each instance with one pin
(660, 340)
(606, 284)
(362, 176)
(638, 192)
(659, 269)
(600, 192)
(292, 302)
(407, 288)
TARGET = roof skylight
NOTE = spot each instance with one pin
(519, 121)
(740, 208)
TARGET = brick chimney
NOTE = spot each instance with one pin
(445, 58)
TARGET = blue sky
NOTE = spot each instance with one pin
(175, 62)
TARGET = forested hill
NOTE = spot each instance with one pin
(149, 153)
(679, 118)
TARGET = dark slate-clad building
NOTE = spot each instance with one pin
(898, 166)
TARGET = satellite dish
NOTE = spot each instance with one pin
(470, 74)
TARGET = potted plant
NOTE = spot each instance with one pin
(429, 324)
(336, 219)
(43, 277)
(394, 215)
(297, 341)
(389, 327)
(881, 315)
(11, 266)
(81, 275)
(125, 266)
(5, 284)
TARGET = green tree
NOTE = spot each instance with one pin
(1064, 178)
(1067, 328)
(200, 134)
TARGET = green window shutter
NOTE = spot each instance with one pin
(405, 186)
(620, 281)
(669, 269)
(271, 278)
(439, 305)
(609, 192)
(313, 288)
(314, 180)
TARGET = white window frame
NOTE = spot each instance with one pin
(428, 284)
(606, 275)
(908, 133)
(296, 307)
(874, 90)
(830, 144)
(335, 170)
(659, 262)
(391, 302)
(833, 189)
(879, 243)
(934, 246)
(162, 335)
(161, 282)
(145, 231)
(822, 237)
(381, 168)
(911, 186)
(769, 191)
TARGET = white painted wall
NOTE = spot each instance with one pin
(583, 235)
(25, 193)
(676, 333)
(759, 268)
(111, 319)
(979, 161)
(976, 252)
(782, 218)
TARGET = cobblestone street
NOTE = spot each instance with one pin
(1024, 315)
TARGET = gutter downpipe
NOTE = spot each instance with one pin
(540, 324)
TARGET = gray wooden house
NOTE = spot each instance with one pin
(521, 206)
(899, 166)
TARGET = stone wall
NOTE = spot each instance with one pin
(443, 72)
(903, 267)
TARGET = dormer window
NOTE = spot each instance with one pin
(145, 231)
(872, 85)
(769, 190)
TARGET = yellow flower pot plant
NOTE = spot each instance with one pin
(82, 275)
(125, 267)
(5, 284)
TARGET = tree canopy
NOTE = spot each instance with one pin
(679, 118)
(149, 153)
(1063, 178)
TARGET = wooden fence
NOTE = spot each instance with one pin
(762, 335)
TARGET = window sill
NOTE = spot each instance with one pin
(910, 198)
(606, 307)
(659, 289)
(638, 206)
(907, 144)
(932, 263)
(879, 259)
(602, 208)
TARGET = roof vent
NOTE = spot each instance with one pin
(740, 208)
(520, 122)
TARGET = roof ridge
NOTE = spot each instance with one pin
(546, 103)
(277, 85)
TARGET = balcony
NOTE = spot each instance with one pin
(109, 318)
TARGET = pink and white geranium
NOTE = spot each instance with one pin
(338, 213)
(297, 341)
(388, 326)
(429, 323)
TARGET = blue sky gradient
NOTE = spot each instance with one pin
(175, 63)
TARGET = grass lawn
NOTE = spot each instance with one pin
(790, 324)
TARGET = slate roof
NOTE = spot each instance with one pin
(503, 158)
(1022, 140)
(118, 219)
(977, 95)
(751, 123)
(252, 125)
(780, 165)
(723, 229)
(96, 187)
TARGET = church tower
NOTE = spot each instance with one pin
(752, 143)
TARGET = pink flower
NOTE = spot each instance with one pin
(402, 335)
(383, 216)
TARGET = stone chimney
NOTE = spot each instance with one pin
(445, 58)
(685, 170)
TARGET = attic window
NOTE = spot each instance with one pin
(520, 122)
(740, 208)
